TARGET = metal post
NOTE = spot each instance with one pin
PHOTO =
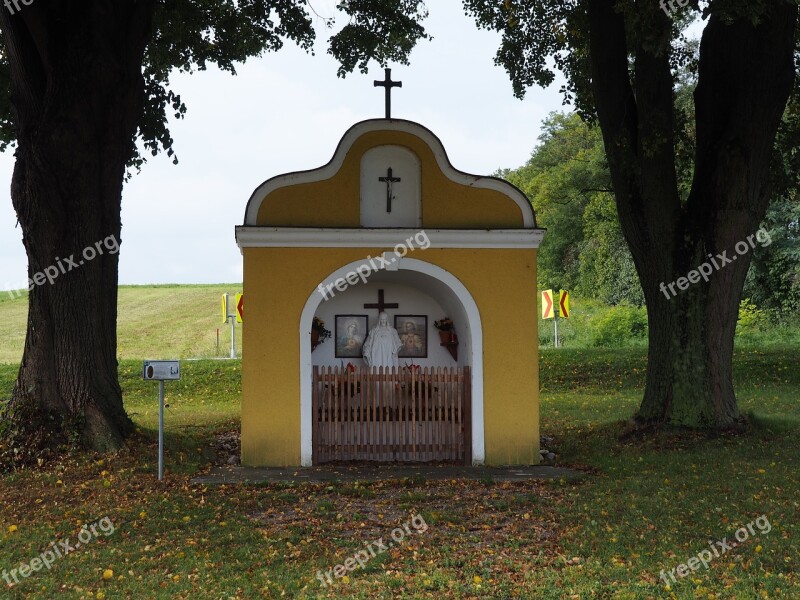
(555, 316)
(160, 430)
(233, 337)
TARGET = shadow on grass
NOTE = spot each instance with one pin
(599, 444)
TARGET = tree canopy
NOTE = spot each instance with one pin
(190, 35)
(568, 182)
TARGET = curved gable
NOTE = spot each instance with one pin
(330, 196)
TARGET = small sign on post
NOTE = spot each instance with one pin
(161, 371)
(232, 312)
(563, 304)
(555, 307)
(225, 313)
(547, 304)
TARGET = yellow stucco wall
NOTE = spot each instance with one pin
(277, 285)
(335, 202)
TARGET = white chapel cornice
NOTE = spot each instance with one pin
(306, 237)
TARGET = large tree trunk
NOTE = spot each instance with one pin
(745, 78)
(77, 97)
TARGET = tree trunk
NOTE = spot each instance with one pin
(77, 97)
(745, 77)
(690, 354)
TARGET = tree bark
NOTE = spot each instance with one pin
(77, 98)
(745, 78)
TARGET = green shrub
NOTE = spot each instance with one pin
(619, 326)
(751, 318)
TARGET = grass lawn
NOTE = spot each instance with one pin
(155, 321)
(645, 505)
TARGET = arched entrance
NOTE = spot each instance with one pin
(455, 300)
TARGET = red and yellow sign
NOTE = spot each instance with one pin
(232, 306)
(547, 304)
(564, 305)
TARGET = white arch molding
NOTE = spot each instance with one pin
(475, 360)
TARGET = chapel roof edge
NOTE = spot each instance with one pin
(353, 133)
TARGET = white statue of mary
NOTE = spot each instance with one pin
(382, 345)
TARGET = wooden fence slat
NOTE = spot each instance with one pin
(351, 414)
(338, 433)
(324, 433)
(329, 408)
(336, 446)
(445, 427)
(397, 417)
(365, 394)
(403, 420)
(410, 400)
(454, 416)
(459, 390)
(440, 425)
(315, 418)
(457, 429)
(414, 398)
(386, 454)
(423, 410)
(331, 415)
(467, 416)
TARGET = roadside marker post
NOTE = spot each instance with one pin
(563, 304)
(233, 337)
(549, 311)
(232, 312)
(554, 307)
(161, 371)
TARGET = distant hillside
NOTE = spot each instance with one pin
(159, 321)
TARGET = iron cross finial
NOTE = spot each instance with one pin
(388, 84)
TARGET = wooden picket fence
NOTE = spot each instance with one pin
(399, 415)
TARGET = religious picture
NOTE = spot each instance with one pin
(413, 331)
(350, 333)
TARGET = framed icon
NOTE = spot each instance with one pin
(350, 332)
(413, 332)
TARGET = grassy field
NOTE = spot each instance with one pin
(181, 321)
(645, 505)
(156, 322)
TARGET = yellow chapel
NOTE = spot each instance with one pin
(389, 237)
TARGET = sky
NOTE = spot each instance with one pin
(287, 111)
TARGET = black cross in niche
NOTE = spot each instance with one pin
(389, 180)
(388, 84)
(381, 305)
